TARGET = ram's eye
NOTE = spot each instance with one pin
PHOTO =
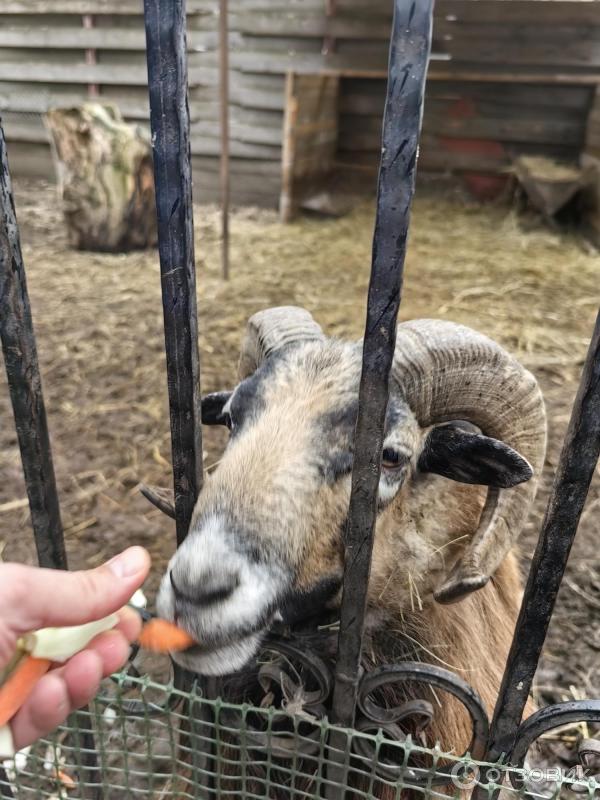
(228, 421)
(392, 459)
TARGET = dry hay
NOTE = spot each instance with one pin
(548, 169)
(99, 328)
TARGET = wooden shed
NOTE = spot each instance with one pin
(307, 81)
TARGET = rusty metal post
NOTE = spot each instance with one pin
(224, 116)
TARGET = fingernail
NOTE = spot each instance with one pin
(129, 563)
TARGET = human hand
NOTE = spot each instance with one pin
(33, 598)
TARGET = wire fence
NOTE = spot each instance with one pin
(155, 741)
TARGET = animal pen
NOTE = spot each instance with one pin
(187, 740)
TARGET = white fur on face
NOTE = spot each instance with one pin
(388, 488)
(209, 559)
(222, 660)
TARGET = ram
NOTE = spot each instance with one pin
(464, 444)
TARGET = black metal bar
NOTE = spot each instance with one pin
(24, 382)
(166, 55)
(25, 386)
(409, 53)
(169, 117)
(548, 719)
(576, 467)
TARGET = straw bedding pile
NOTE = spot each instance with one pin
(98, 322)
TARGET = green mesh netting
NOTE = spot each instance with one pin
(212, 749)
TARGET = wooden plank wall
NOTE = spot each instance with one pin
(508, 76)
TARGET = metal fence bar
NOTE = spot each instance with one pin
(165, 22)
(409, 52)
(25, 386)
(166, 54)
(24, 382)
(575, 470)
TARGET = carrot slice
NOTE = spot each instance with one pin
(19, 684)
(161, 636)
(66, 780)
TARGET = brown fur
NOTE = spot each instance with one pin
(270, 482)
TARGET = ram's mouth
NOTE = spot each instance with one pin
(222, 659)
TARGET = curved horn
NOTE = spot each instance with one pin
(271, 330)
(447, 371)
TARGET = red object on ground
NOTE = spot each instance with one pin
(482, 185)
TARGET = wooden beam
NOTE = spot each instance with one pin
(79, 7)
(111, 74)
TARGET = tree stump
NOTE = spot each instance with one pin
(105, 177)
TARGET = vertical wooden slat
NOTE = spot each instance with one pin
(170, 124)
(90, 55)
(24, 382)
(286, 198)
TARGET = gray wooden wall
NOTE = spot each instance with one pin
(508, 76)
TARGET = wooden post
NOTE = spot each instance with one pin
(224, 110)
(104, 171)
(286, 199)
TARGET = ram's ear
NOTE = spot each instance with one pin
(212, 408)
(461, 454)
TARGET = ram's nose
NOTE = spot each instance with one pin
(205, 590)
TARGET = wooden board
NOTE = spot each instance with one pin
(310, 137)
(519, 75)
(592, 129)
(100, 7)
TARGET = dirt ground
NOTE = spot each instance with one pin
(98, 321)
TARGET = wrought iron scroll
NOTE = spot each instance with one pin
(24, 382)
(548, 719)
(169, 118)
(409, 53)
(291, 677)
(576, 467)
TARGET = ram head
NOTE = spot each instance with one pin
(464, 443)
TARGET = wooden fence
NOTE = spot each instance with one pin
(507, 77)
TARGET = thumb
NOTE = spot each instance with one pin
(32, 598)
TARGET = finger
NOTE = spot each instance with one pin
(57, 694)
(47, 706)
(130, 624)
(113, 650)
(82, 675)
(33, 598)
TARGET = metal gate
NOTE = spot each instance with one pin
(505, 736)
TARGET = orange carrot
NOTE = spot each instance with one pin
(66, 780)
(18, 686)
(161, 636)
